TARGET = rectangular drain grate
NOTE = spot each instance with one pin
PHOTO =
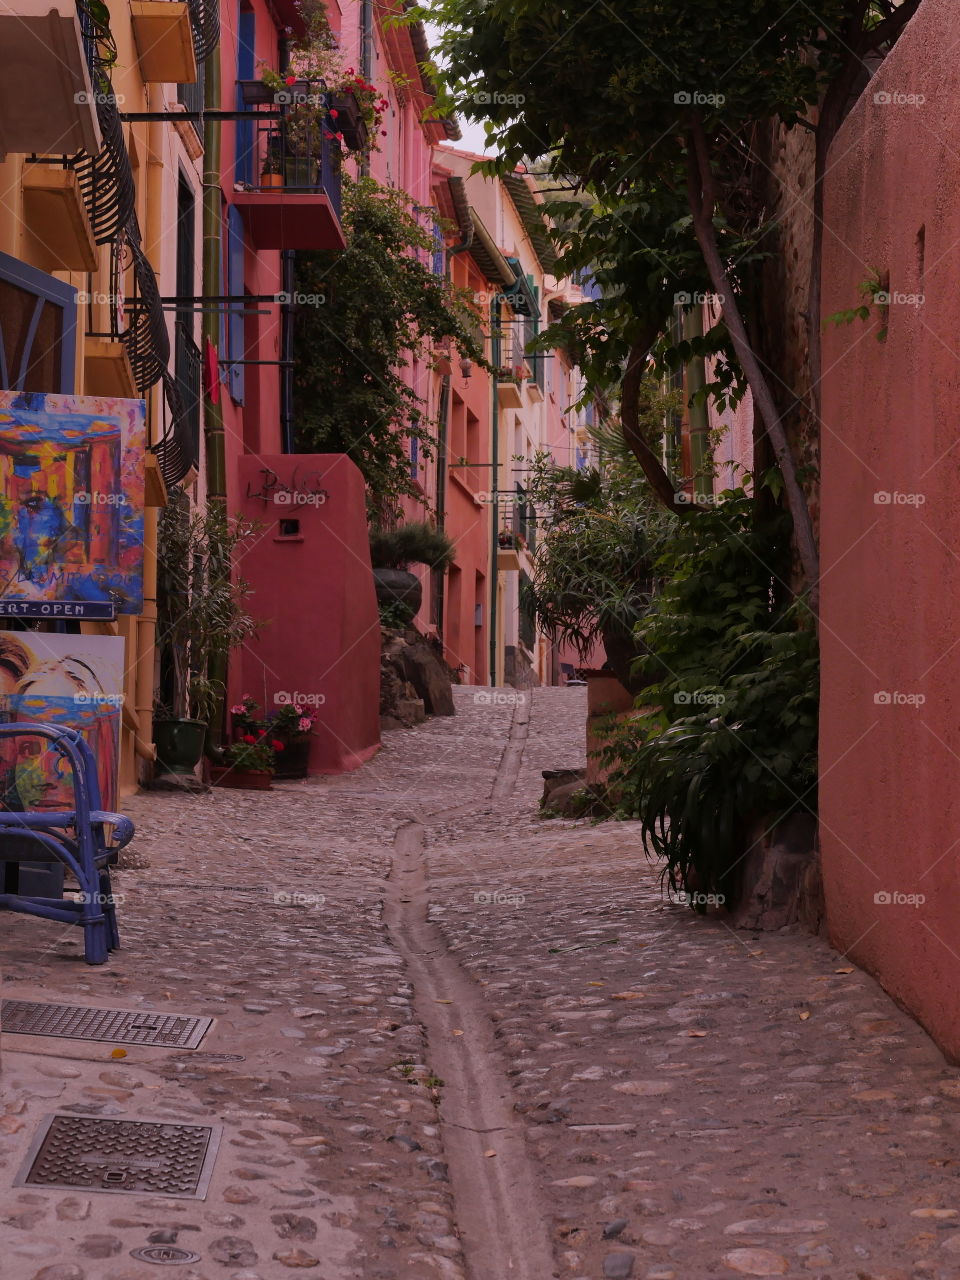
(127, 1156)
(120, 1026)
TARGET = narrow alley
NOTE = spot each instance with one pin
(453, 1039)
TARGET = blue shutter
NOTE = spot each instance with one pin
(235, 314)
(244, 168)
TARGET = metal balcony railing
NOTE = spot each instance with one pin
(205, 21)
(297, 153)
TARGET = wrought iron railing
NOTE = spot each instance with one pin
(145, 336)
(98, 41)
(179, 448)
(106, 179)
(299, 151)
(205, 21)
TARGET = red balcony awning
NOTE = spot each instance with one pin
(283, 219)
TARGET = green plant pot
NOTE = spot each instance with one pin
(399, 587)
(293, 760)
(179, 744)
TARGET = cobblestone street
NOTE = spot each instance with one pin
(473, 1043)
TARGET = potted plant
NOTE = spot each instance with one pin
(292, 726)
(200, 618)
(339, 101)
(272, 174)
(393, 550)
(243, 718)
(251, 764)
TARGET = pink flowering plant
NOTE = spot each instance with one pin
(243, 715)
(292, 722)
(318, 66)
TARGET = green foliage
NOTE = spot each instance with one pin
(601, 533)
(257, 757)
(201, 601)
(875, 290)
(734, 736)
(414, 543)
(601, 87)
(640, 251)
(381, 302)
(394, 616)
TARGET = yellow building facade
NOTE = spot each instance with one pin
(99, 223)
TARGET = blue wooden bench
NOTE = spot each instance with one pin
(85, 840)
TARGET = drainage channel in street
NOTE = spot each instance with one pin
(498, 1212)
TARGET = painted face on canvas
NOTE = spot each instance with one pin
(44, 779)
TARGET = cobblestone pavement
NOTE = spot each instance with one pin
(451, 1012)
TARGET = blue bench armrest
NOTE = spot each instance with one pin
(123, 829)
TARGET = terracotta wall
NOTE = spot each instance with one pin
(890, 801)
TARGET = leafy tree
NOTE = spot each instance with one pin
(366, 310)
(602, 533)
(666, 99)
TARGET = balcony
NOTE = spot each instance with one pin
(47, 94)
(292, 200)
(164, 35)
(56, 220)
(509, 382)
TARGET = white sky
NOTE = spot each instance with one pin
(474, 139)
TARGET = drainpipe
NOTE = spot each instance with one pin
(213, 432)
(495, 485)
(366, 62)
(699, 419)
(287, 284)
(444, 416)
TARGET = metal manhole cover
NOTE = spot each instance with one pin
(164, 1253)
(126, 1156)
(120, 1026)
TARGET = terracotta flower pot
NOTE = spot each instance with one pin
(241, 779)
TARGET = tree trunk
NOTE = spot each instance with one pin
(702, 206)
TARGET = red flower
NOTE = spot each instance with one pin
(248, 737)
(277, 744)
(339, 137)
(291, 80)
(333, 113)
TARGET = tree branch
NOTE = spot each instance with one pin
(661, 484)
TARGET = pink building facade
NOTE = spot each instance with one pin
(890, 734)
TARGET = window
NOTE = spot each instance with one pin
(38, 323)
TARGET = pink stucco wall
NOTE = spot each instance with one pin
(890, 744)
(312, 588)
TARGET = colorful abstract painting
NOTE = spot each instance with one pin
(71, 500)
(76, 681)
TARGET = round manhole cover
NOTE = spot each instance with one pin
(164, 1253)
